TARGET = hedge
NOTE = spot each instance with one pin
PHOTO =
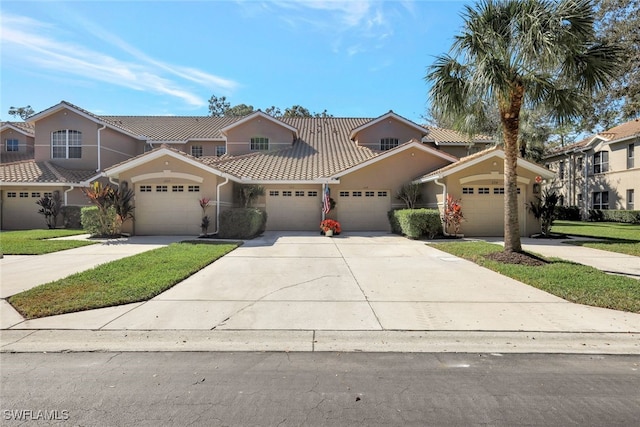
(242, 223)
(568, 213)
(71, 216)
(632, 217)
(416, 223)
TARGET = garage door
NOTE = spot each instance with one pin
(293, 210)
(167, 209)
(483, 210)
(364, 210)
(20, 211)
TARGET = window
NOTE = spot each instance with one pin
(483, 190)
(312, 194)
(194, 189)
(11, 194)
(369, 193)
(161, 188)
(382, 194)
(498, 190)
(177, 188)
(299, 193)
(47, 194)
(344, 194)
(24, 194)
(630, 197)
(145, 189)
(196, 151)
(388, 143)
(579, 164)
(467, 190)
(12, 145)
(35, 194)
(286, 193)
(357, 194)
(220, 150)
(630, 155)
(274, 193)
(601, 200)
(561, 170)
(259, 143)
(561, 200)
(66, 144)
(600, 162)
(579, 198)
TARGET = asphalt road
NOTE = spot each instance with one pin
(291, 389)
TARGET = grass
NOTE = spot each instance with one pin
(619, 237)
(34, 242)
(132, 279)
(572, 282)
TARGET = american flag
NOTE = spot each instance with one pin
(326, 200)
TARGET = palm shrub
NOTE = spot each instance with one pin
(50, 208)
(247, 193)
(114, 207)
(520, 54)
(544, 210)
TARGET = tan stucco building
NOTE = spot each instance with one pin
(173, 162)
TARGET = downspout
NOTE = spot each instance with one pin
(218, 204)
(324, 188)
(99, 148)
(444, 200)
(65, 194)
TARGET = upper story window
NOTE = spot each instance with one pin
(630, 155)
(601, 162)
(196, 151)
(561, 170)
(220, 150)
(388, 143)
(579, 163)
(66, 144)
(259, 143)
(12, 145)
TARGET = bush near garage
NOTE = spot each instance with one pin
(71, 216)
(416, 223)
(242, 223)
(99, 223)
(606, 215)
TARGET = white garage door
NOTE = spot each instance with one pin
(364, 210)
(19, 209)
(167, 209)
(483, 211)
(293, 210)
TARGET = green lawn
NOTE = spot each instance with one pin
(620, 237)
(572, 282)
(132, 279)
(34, 242)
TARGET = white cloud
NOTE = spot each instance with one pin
(41, 44)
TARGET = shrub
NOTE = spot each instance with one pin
(242, 223)
(416, 223)
(50, 208)
(98, 222)
(544, 210)
(71, 217)
(568, 213)
(632, 217)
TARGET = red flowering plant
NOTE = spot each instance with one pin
(453, 214)
(330, 224)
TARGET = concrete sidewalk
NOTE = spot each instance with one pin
(363, 291)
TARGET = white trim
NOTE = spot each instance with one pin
(246, 180)
(389, 115)
(546, 173)
(393, 152)
(167, 174)
(154, 155)
(256, 115)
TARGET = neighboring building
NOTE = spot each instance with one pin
(599, 172)
(172, 162)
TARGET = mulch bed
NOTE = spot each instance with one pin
(522, 258)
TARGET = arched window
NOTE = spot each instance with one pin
(66, 144)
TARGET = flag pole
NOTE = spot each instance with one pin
(324, 188)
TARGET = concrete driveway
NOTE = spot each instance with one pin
(352, 282)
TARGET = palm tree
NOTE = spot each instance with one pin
(518, 54)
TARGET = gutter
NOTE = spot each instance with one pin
(218, 204)
(66, 194)
(99, 148)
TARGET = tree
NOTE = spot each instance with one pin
(50, 208)
(218, 106)
(296, 111)
(247, 193)
(520, 54)
(23, 112)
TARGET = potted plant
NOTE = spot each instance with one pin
(330, 227)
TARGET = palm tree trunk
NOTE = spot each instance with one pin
(510, 118)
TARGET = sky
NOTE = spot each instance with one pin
(351, 58)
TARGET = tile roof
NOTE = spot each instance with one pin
(172, 128)
(460, 162)
(622, 131)
(27, 128)
(42, 172)
(448, 136)
(12, 157)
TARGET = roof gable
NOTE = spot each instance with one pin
(253, 116)
(21, 127)
(389, 115)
